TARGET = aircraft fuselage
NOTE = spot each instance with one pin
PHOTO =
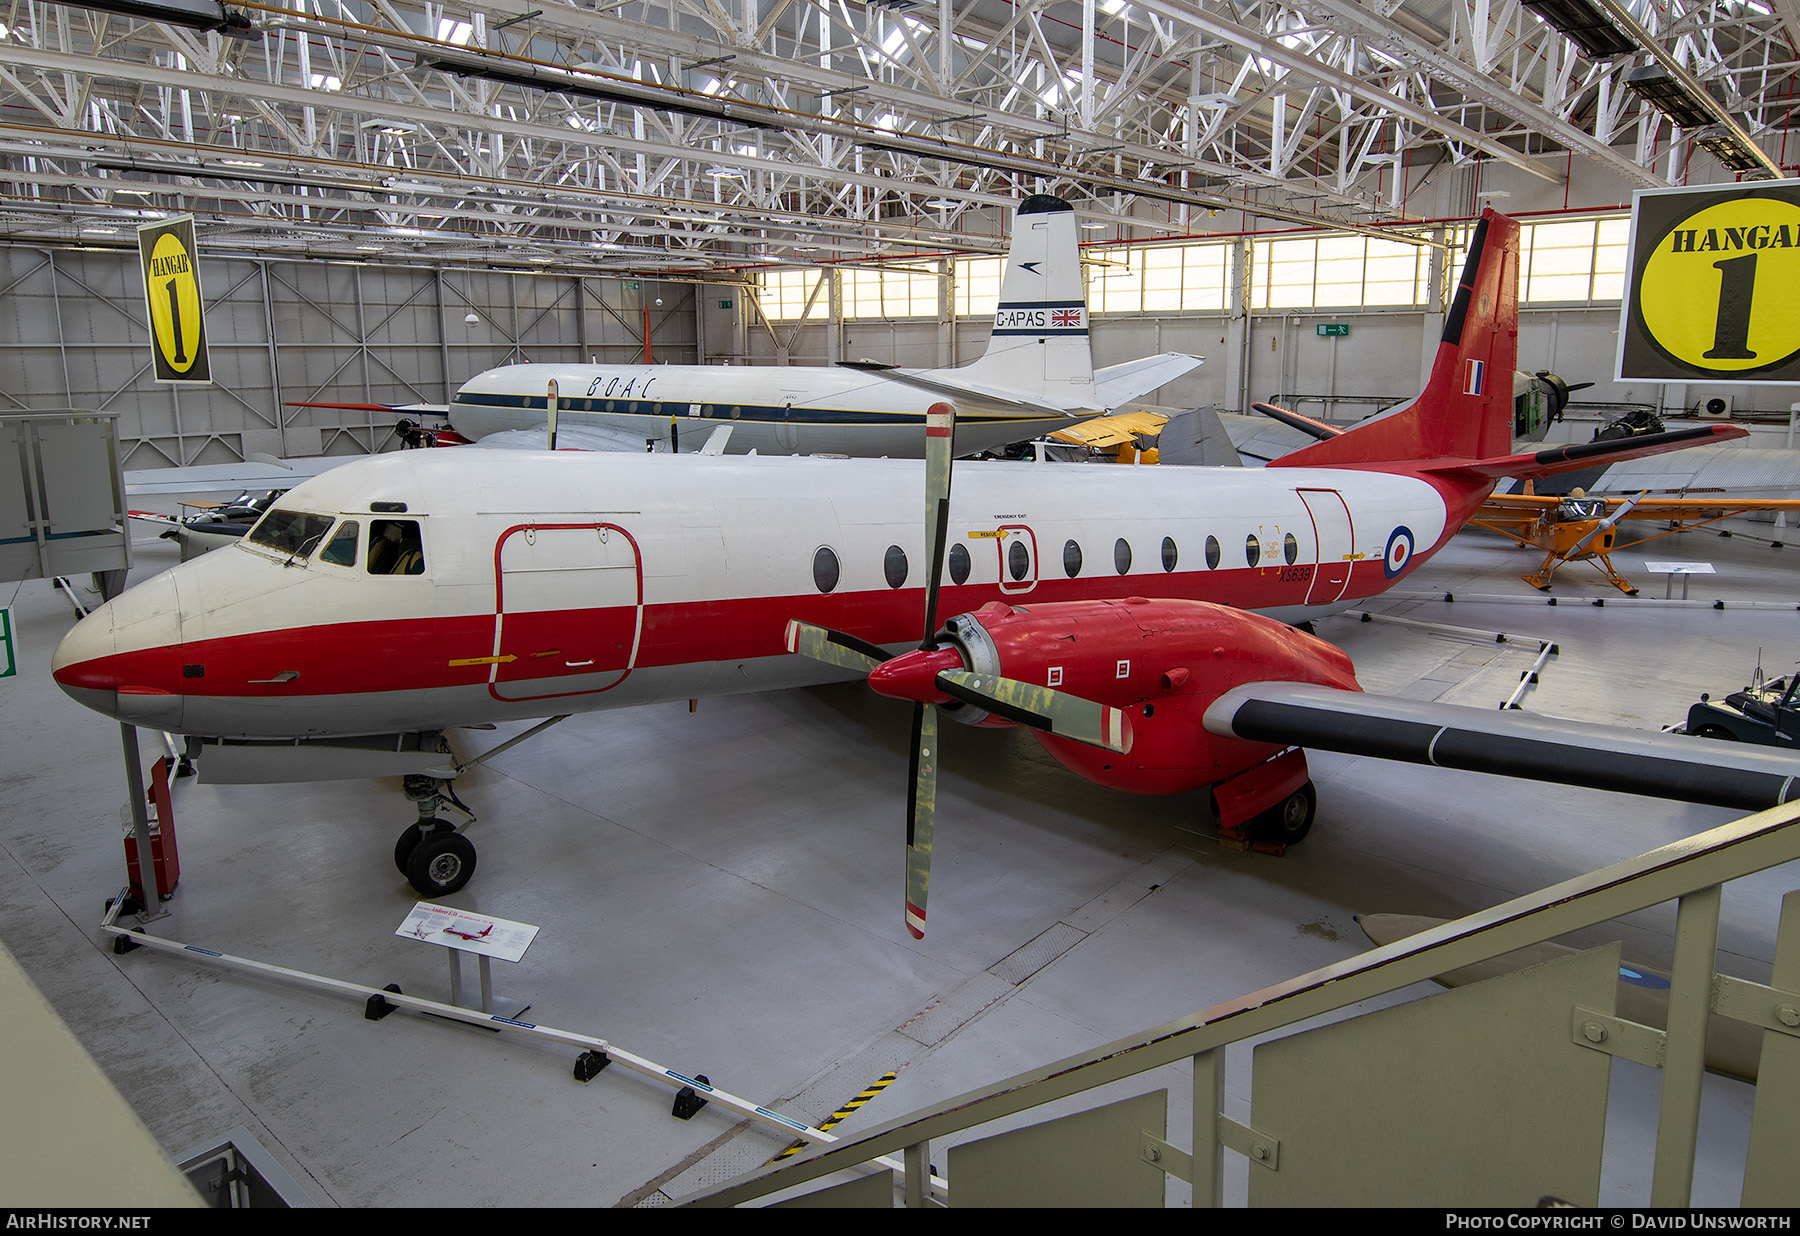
(575, 581)
(773, 410)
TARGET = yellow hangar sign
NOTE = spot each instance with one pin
(1709, 292)
(171, 268)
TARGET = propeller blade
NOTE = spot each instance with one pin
(1041, 708)
(940, 439)
(833, 647)
(921, 814)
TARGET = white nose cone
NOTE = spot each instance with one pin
(124, 659)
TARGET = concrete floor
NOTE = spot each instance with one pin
(720, 892)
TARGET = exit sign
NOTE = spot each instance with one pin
(632, 285)
(1334, 328)
(724, 304)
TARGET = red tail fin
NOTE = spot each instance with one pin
(1466, 409)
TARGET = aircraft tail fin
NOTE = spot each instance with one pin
(1466, 408)
(1040, 342)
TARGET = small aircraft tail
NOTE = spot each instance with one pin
(1466, 408)
(1040, 341)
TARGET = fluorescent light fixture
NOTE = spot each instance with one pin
(1584, 25)
(194, 14)
(1659, 88)
(1722, 144)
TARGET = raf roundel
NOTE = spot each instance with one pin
(1399, 551)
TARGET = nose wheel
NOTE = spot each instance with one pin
(435, 859)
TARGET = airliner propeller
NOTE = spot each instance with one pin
(936, 674)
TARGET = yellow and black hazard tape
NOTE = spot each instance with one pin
(840, 1115)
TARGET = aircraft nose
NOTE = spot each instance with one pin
(124, 659)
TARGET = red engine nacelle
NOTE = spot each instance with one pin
(1162, 661)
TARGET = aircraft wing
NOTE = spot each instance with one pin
(416, 409)
(1115, 430)
(257, 472)
(568, 438)
(1509, 743)
(1118, 385)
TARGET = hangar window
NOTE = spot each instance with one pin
(893, 565)
(959, 564)
(395, 547)
(789, 295)
(1345, 271)
(341, 550)
(1290, 548)
(1071, 559)
(825, 569)
(1252, 549)
(1562, 261)
(889, 293)
(289, 532)
(1121, 555)
(977, 287)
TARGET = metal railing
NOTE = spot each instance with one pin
(1692, 870)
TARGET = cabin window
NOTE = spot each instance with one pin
(395, 547)
(959, 564)
(289, 532)
(736, 412)
(894, 566)
(341, 549)
(1252, 549)
(825, 569)
(1071, 559)
(1121, 555)
(1168, 553)
(1018, 560)
(1212, 553)
(1290, 548)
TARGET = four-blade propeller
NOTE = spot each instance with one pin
(935, 675)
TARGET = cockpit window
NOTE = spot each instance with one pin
(395, 547)
(341, 549)
(289, 532)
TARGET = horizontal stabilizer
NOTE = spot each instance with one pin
(1117, 385)
(1294, 420)
(1508, 743)
(417, 409)
(1587, 454)
(974, 397)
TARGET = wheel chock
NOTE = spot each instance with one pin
(377, 1008)
(124, 944)
(589, 1064)
(688, 1101)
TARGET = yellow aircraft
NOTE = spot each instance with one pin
(1119, 433)
(1576, 528)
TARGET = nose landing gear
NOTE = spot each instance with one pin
(435, 858)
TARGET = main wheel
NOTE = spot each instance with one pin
(415, 833)
(1715, 731)
(440, 864)
(1290, 821)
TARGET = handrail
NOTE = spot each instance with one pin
(1703, 861)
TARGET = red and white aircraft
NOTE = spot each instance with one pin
(1110, 609)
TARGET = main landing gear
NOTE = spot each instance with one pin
(435, 859)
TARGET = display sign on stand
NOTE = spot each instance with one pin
(462, 931)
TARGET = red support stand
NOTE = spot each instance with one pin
(162, 837)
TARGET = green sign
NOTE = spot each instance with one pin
(9, 663)
(724, 304)
(632, 285)
(1334, 328)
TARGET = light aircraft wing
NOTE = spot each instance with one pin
(1507, 742)
(415, 409)
(1115, 430)
(1118, 385)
